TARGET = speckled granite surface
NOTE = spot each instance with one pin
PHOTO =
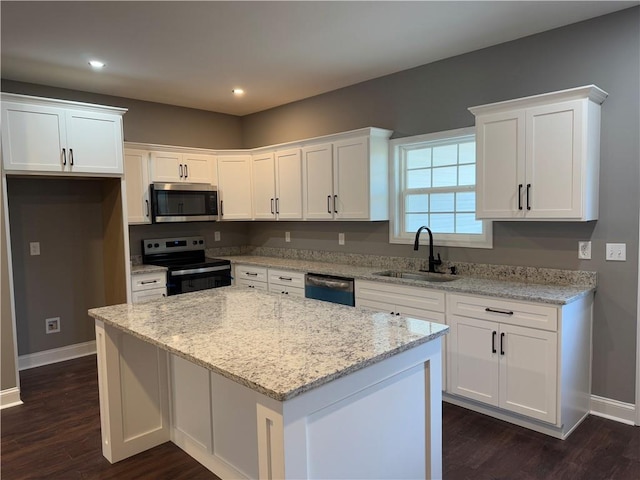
(138, 269)
(276, 345)
(556, 287)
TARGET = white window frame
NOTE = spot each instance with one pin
(396, 221)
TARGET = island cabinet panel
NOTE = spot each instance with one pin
(134, 395)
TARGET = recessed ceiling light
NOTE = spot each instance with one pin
(96, 64)
(237, 91)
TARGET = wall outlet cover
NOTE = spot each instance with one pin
(341, 239)
(52, 325)
(34, 248)
(287, 236)
(216, 236)
(616, 252)
(584, 250)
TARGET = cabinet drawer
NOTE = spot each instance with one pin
(147, 281)
(147, 295)
(287, 290)
(283, 277)
(245, 282)
(504, 311)
(258, 274)
(401, 295)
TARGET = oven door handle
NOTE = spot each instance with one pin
(190, 271)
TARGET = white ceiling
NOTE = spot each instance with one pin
(193, 53)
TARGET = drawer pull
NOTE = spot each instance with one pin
(503, 312)
(493, 342)
(146, 282)
(288, 279)
(251, 274)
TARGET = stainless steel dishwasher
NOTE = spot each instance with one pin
(329, 288)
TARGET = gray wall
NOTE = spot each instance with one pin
(434, 97)
(67, 278)
(148, 122)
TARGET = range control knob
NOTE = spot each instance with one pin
(156, 245)
(149, 245)
(201, 242)
(195, 242)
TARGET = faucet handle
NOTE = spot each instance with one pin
(438, 261)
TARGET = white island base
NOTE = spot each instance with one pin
(382, 421)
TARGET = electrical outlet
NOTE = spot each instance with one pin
(341, 239)
(616, 252)
(584, 250)
(287, 236)
(34, 248)
(52, 325)
(216, 236)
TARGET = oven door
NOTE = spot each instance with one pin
(194, 279)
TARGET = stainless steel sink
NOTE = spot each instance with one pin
(421, 276)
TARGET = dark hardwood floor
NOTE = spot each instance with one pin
(55, 435)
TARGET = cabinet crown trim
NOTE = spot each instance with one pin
(68, 104)
(591, 92)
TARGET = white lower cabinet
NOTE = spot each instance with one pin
(510, 367)
(148, 286)
(407, 301)
(251, 277)
(523, 362)
(286, 283)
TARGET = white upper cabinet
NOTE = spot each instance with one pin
(234, 179)
(288, 204)
(136, 175)
(175, 167)
(264, 185)
(42, 135)
(538, 157)
(347, 179)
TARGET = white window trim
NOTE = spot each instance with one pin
(442, 240)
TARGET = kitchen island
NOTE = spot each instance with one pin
(258, 385)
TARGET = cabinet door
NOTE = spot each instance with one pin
(33, 138)
(289, 184)
(166, 167)
(234, 176)
(197, 168)
(136, 176)
(554, 166)
(500, 169)
(148, 295)
(528, 372)
(351, 179)
(473, 359)
(317, 169)
(264, 195)
(95, 142)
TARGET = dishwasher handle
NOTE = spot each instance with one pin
(333, 283)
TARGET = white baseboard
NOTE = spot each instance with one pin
(56, 355)
(613, 410)
(10, 398)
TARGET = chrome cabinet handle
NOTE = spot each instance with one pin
(277, 205)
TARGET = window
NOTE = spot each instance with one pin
(433, 184)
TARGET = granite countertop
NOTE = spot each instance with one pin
(276, 345)
(140, 269)
(538, 290)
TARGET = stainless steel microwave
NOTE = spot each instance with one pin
(183, 202)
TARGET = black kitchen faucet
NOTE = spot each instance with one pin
(416, 244)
